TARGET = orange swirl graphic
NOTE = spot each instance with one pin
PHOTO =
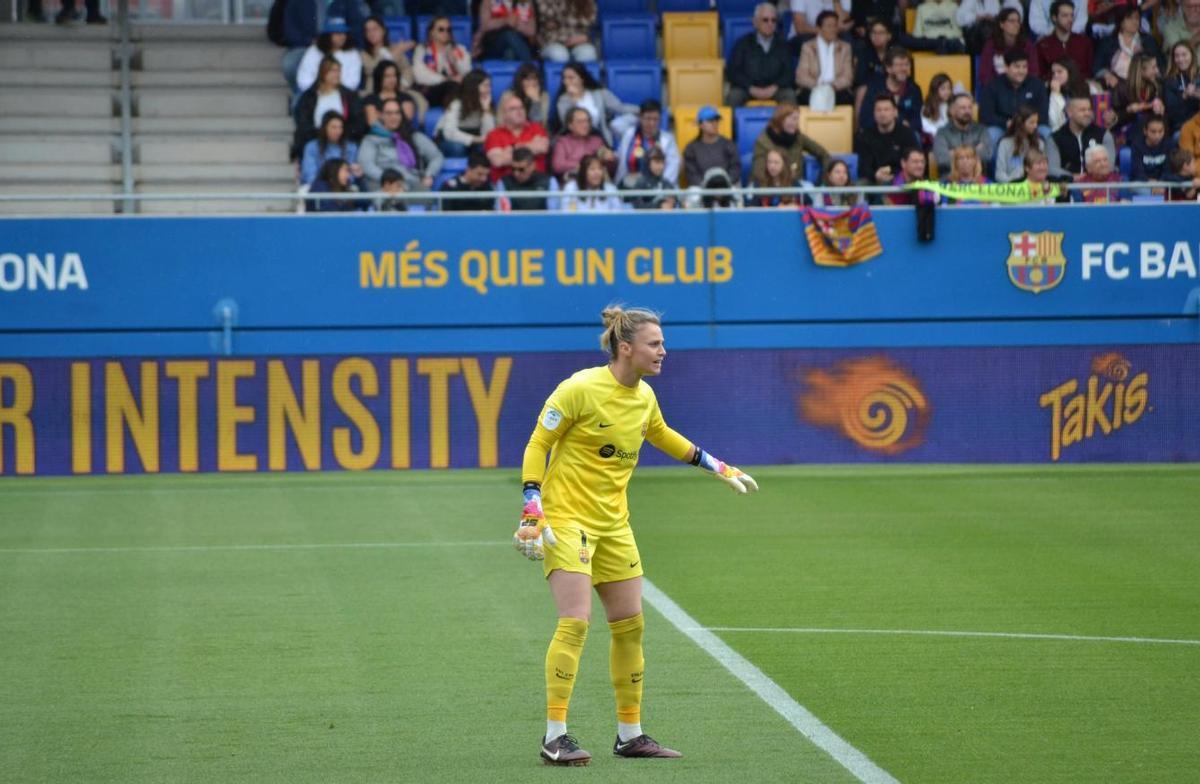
(1112, 365)
(871, 401)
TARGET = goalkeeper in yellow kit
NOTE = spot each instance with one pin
(576, 520)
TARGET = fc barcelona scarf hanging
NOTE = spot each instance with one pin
(841, 239)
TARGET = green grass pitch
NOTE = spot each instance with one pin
(151, 629)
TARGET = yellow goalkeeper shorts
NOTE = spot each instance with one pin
(606, 558)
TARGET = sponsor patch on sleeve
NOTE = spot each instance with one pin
(551, 418)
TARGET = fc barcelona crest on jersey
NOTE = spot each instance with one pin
(1036, 262)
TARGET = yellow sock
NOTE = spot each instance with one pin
(626, 666)
(562, 664)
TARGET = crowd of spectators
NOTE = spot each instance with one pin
(1062, 91)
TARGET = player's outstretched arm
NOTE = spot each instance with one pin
(737, 479)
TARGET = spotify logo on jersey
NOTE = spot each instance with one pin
(608, 450)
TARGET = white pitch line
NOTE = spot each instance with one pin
(212, 547)
(941, 633)
(771, 693)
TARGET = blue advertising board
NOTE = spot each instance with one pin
(344, 412)
(744, 278)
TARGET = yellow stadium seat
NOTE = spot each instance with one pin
(832, 130)
(956, 66)
(690, 35)
(910, 19)
(686, 127)
(696, 81)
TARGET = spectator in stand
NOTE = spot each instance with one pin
(826, 59)
(864, 12)
(869, 60)
(1022, 136)
(710, 150)
(980, 20)
(913, 167)
(806, 18)
(591, 176)
(1004, 95)
(1037, 171)
(331, 142)
(578, 141)
(760, 65)
(1141, 96)
(377, 48)
(1064, 83)
(897, 85)
(1068, 144)
(1182, 85)
(1007, 35)
(1189, 135)
(782, 134)
(507, 30)
(334, 177)
(563, 29)
(514, 132)
(638, 142)
(1184, 27)
(1062, 40)
(1150, 150)
(1041, 19)
(935, 114)
(393, 144)
(836, 174)
(391, 185)
(1099, 171)
(775, 174)
(653, 177)
(334, 42)
(66, 14)
(961, 130)
(965, 167)
(880, 145)
(303, 21)
(440, 63)
(387, 81)
(529, 87)
(523, 175)
(475, 179)
(610, 116)
(936, 28)
(469, 119)
(1115, 52)
(1183, 170)
(325, 96)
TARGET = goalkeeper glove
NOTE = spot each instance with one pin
(737, 479)
(533, 532)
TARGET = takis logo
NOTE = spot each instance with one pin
(1112, 401)
(871, 400)
(1036, 262)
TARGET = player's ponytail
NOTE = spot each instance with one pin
(620, 325)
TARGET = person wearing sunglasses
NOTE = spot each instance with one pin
(760, 66)
(439, 64)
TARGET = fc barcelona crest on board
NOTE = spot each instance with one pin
(1036, 262)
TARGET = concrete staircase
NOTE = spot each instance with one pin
(59, 117)
(210, 114)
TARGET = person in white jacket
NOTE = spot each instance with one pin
(1041, 24)
(333, 42)
(637, 142)
(592, 176)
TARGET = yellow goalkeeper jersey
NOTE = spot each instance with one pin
(593, 427)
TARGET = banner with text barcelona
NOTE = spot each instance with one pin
(1033, 404)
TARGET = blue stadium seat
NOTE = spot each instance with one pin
(616, 7)
(399, 28)
(554, 75)
(453, 166)
(747, 161)
(431, 119)
(748, 124)
(629, 37)
(461, 25)
(502, 73)
(634, 82)
(675, 6)
(744, 8)
(733, 28)
(812, 167)
(1125, 161)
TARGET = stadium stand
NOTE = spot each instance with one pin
(696, 81)
(629, 37)
(832, 130)
(690, 35)
(686, 127)
(733, 28)
(635, 81)
(502, 73)
(956, 66)
(553, 72)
